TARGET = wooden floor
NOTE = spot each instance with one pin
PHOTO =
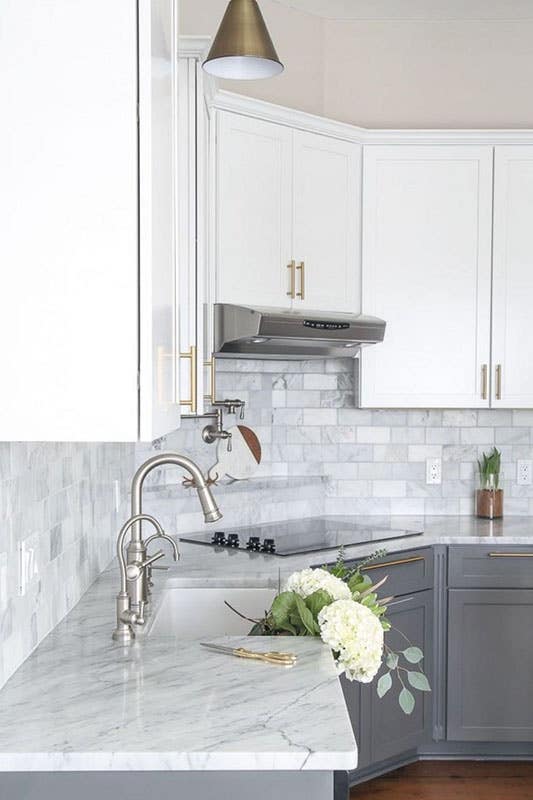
(452, 780)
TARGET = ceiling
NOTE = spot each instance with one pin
(415, 9)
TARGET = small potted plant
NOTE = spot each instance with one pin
(489, 497)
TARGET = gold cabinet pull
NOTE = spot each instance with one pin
(301, 293)
(211, 363)
(498, 381)
(292, 291)
(510, 555)
(484, 381)
(394, 563)
(192, 402)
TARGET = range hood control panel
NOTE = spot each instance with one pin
(324, 325)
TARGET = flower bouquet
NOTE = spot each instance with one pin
(342, 606)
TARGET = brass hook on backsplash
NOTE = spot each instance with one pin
(190, 484)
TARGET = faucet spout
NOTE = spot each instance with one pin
(207, 501)
(136, 550)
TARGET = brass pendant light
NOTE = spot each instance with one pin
(242, 48)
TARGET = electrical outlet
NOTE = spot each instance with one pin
(523, 472)
(433, 471)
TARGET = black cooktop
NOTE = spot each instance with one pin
(298, 536)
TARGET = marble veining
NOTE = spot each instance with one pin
(81, 702)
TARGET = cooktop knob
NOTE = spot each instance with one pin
(219, 538)
(269, 546)
(254, 543)
(233, 540)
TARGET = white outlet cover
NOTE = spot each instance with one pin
(523, 472)
(434, 471)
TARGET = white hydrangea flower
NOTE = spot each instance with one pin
(355, 633)
(308, 581)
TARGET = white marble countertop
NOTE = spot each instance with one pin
(82, 702)
(205, 566)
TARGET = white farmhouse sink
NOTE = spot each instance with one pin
(191, 613)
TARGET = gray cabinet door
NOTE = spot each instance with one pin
(490, 665)
(381, 728)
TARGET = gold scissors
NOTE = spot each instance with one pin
(272, 657)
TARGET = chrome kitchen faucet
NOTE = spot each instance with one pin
(136, 566)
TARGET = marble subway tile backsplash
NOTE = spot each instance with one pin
(59, 502)
(65, 501)
(362, 461)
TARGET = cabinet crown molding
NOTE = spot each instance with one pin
(225, 100)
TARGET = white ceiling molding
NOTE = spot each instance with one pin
(249, 106)
(433, 10)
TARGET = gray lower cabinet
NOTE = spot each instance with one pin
(381, 728)
(490, 665)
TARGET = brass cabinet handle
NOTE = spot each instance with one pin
(211, 363)
(394, 563)
(192, 402)
(292, 291)
(484, 381)
(498, 381)
(301, 293)
(510, 555)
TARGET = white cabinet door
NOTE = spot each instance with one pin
(159, 339)
(427, 271)
(68, 210)
(191, 234)
(253, 225)
(326, 218)
(79, 246)
(512, 342)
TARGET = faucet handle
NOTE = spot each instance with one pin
(150, 560)
(134, 571)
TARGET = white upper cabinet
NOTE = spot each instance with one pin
(159, 405)
(287, 216)
(326, 215)
(253, 219)
(427, 225)
(70, 322)
(512, 351)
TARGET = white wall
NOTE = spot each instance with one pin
(420, 73)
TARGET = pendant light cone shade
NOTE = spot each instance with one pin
(243, 49)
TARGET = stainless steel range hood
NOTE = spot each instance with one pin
(243, 332)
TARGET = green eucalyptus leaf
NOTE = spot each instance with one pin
(413, 655)
(419, 681)
(295, 621)
(384, 684)
(358, 582)
(392, 660)
(370, 600)
(309, 623)
(317, 601)
(257, 630)
(407, 701)
(282, 607)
